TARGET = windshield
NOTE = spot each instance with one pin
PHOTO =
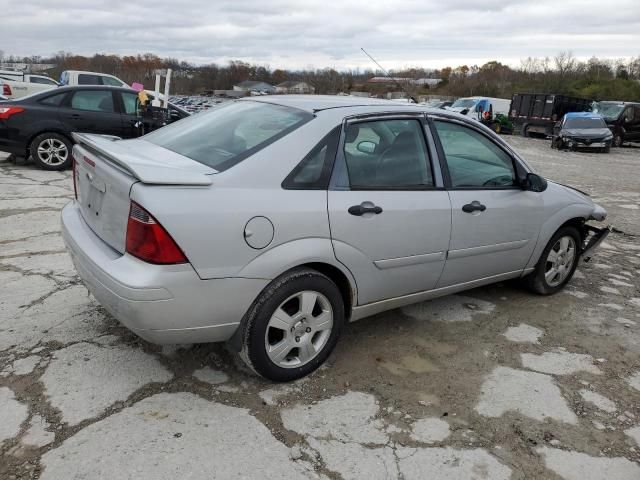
(610, 111)
(224, 136)
(585, 122)
(464, 103)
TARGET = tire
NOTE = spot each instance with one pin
(606, 149)
(275, 346)
(51, 151)
(539, 281)
(618, 141)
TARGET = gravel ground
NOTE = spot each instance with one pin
(494, 383)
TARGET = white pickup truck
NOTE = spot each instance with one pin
(15, 84)
(78, 77)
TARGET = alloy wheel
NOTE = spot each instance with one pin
(52, 151)
(299, 329)
(560, 261)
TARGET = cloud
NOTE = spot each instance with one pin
(294, 34)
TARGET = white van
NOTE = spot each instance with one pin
(78, 77)
(475, 107)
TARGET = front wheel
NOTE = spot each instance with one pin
(617, 140)
(293, 326)
(557, 263)
(51, 151)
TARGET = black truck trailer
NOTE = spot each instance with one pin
(537, 113)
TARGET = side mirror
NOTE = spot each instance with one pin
(367, 147)
(534, 183)
(464, 111)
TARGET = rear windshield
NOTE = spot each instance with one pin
(224, 136)
(585, 122)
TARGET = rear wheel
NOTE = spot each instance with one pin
(293, 326)
(51, 151)
(557, 263)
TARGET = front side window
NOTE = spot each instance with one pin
(93, 100)
(473, 160)
(387, 154)
(628, 115)
(224, 136)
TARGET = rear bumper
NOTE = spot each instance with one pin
(11, 146)
(160, 303)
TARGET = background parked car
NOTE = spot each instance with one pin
(582, 130)
(623, 119)
(41, 125)
(79, 77)
(18, 84)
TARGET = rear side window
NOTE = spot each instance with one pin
(387, 154)
(93, 100)
(54, 100)
(313, 172)
(226, 135)
(84, 79)
(42, 80)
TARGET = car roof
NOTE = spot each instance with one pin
(71, 88)
(92, 73)
(316, 103)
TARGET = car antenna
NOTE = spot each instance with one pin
(389, 76)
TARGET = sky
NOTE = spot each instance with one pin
(312, 33)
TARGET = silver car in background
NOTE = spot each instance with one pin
(270, 222)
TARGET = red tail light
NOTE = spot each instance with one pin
(6, 112)
(6, 90)
(149, 241)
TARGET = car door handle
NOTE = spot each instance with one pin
(75, 116)
(474, 206)
(359, 210)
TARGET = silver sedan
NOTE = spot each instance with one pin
(270, 222)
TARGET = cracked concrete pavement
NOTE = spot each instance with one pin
(494, 383)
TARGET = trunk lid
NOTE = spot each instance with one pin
(107, 168)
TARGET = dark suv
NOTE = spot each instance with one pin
(623, 119)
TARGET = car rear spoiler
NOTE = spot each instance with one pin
(175, 170)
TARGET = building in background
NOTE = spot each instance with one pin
(294, 86)
(255, 86)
